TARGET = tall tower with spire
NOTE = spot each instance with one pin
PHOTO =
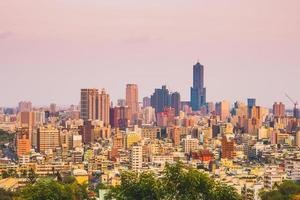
(198, 91)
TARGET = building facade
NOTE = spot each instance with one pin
(198, 91)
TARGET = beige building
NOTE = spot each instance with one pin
(88, 104)
(103, 107)
(298, 139)
(132, 101)
(151, 132)
(47, 138)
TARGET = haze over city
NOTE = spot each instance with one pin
(50, 49)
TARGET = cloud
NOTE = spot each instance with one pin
(5, 34)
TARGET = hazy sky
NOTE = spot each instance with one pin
(49, 49)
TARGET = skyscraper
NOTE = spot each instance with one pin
(94, 105)
(103, 107)
(146, 102)
(251, 102)
(160, 99)
(132, 101)
(25, 106)
(175, 102)
(119, 117)
(198, 91)
(223, 110)
(88, 104)
(278, 109)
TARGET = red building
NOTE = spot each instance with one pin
(203, 155)
(228, 147)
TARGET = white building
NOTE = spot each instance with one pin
(292, 169)
(190, 144)
(136, 158)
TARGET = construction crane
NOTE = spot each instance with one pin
(295, 104)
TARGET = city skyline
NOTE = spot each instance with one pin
(150, 99)
(47, 52)
(288, 103)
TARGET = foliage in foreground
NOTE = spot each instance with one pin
(48, 188)
(175, 183)
(51, 189)
(288, 190)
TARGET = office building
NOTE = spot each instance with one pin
(25, 106)
(119, 117)
(160, 99)
(47, 138)
(23, 142)
(251, 102)
(103, 107)
(175, 102)
(132, 101)
(278, 109)
(223, 110)
(149, 115)
(146, 102)
(88, 104)
(198, 91)
(94, 105)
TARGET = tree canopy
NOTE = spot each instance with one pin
(48, 188)
(288, 190)
(176, 182)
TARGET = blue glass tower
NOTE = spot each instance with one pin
(198, 91)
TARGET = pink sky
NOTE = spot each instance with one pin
(49, 49)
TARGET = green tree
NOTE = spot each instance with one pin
(48, 188)
(286, 191)
(136, 187)
(176, 183)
